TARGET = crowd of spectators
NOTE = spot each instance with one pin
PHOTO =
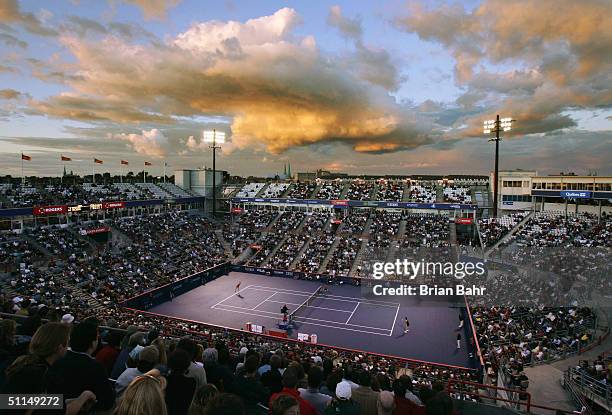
(145, 371)
(494, 229)
(430, 231)
(422, 193)
(275, 190)
(172, 245)
(383, 228)
(457, 194)
(360, 190)
(301, 190)
(555, 229)
(330, 190)
(27, 195)
(389, 190)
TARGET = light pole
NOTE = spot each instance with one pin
(214, 137)
(496, 126)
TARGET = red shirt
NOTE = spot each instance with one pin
(306, 407)
(405, 406)
(107, 356)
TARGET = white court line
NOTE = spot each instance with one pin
(347, 320)
(254, 308)
(394, 320)
(309, 306)
(301, 317)
(306, 322)
(325, 296)
(297, 292)
(238, 292)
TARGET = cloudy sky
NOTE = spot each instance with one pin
(376, 87)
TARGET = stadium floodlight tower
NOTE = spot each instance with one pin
(214, 137)
(496, 126)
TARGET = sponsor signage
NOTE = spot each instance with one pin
(113, 205)
(464, 221)
(49, 210)
(236, 210)
(340, 202)
(575, 194)
(95, 231)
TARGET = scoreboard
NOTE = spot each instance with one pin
(63, 209)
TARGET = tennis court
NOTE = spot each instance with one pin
(339, 317)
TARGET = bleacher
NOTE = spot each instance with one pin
(250, 189)
(275, 190)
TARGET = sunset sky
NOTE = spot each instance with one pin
(371, 87)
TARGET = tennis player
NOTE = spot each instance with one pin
(237, 286)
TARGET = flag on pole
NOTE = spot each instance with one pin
(98, 161)
(24, 157)
(147, 163)
(64, 158)
(125, 162)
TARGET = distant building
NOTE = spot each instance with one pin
(199, 181)
(306, 176)
(526, 190)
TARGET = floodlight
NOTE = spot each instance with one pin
(212, 136)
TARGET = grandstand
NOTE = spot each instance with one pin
(61, 266)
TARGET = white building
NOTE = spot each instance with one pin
(199, 181)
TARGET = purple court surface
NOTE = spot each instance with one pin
(341, 317)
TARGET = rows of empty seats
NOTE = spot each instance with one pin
(275, 190)
(455, 194)
(422, 194)
(250, 189)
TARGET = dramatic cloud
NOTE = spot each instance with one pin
(559, 45)
(11, 14)
(367, 63)
(277, 89)
(151, 143)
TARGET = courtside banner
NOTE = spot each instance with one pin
(113, 205)
(95, 231)
(464, 221)
(49, 210)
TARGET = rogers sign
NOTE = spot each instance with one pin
(49, 210)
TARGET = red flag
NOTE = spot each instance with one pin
(125, 162)
(98, 161)
(24, 157)
(64, 158)
(147, 163)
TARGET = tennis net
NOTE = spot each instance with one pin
(306, 303)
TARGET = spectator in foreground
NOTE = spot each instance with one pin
(439, 404)
(290, 380)
(27, 373)
(148, 357)
(385, 404)
(143, 396)
(194, 371)
(364, 396)
(343, 404)
(180, 389)
(77, 371)
(108, 354)
(285, 405)
(248, 387)
(202, 396)
(312, 394)
(224, 404)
